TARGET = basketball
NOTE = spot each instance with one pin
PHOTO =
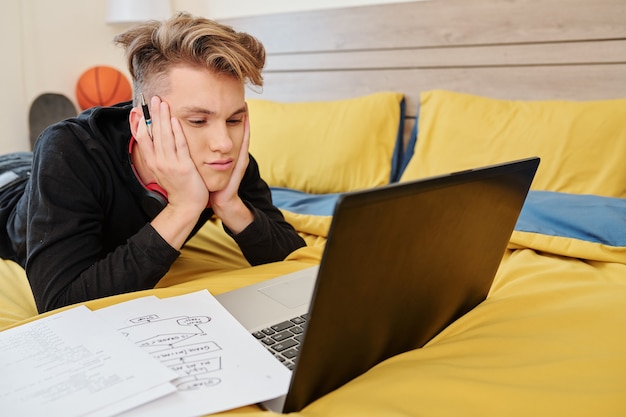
(102, 86)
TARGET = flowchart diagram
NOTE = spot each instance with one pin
(182, 344)
(218, 364)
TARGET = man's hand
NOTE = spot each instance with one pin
(167, 161)
(226, 203)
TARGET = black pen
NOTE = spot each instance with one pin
(146, 115)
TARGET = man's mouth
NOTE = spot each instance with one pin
(221, 165)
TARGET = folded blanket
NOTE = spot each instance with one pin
(578, 225)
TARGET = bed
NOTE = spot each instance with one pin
(363, 96)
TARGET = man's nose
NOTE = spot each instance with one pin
(220, 140)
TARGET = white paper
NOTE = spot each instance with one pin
(129, 403)
(220, 364)
(72, 364)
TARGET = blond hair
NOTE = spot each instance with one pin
(152, 48)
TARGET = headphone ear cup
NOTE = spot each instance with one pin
(152, 197)
(154, 200)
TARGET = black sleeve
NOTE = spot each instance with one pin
(269, 237)
(79, 247)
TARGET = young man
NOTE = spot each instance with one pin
(109, 202)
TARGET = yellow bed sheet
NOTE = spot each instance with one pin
(549, 340)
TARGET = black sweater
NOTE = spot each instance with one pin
(82, 230)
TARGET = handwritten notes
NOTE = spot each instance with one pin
(73, 364)
(183, 356)
(220, 366)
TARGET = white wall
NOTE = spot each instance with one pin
(220, 9)
(47, 44)
(13, 108)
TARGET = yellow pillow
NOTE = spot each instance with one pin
(582, 145)
(326, 146)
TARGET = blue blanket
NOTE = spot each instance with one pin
(578, 216)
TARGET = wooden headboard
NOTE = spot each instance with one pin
(514, 49)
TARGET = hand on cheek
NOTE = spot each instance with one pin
(169, 162)
(226, 203)
(231, 191)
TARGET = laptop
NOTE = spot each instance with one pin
(401, 263)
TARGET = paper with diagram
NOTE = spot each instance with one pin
(220, 366)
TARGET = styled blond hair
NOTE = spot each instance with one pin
(152, 48)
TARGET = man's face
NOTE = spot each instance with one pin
(211, 109)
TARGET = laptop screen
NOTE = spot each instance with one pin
(400, 264)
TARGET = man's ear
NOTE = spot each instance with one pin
(134, 118)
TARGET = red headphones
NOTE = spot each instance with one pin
(156, 188)
(155, 197)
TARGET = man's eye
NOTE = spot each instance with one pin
(197, 122)
(235, 121)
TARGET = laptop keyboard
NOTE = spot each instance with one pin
(283, 339)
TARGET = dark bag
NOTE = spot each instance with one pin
(15, 171)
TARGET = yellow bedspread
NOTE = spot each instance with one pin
(550, 339)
